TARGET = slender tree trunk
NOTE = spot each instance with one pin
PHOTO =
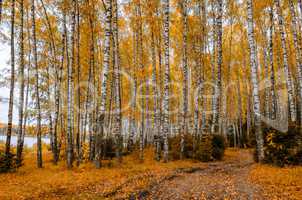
(234, 135)
(271, 60)
(117, 99)
(184, 129)
(239, 109)
(254, 77)
(49, 111)
(27, 86)
(202, 73)
(21, 80)
(297, 44)
(160, 79)
(104, 82)
(53, 132)
(37, 89)
(58, 84)
(155, 99)
(216, 117)
(165, 104)
(88, 101)
(287, 71)
(266, 77)
(70, 68)
(79, 108)
(225, 98)
(248, 116)
(133, 105)
(139, 41)
(26, 107)
(12, 81)
(300, 10)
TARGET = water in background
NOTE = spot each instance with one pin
(28, 140)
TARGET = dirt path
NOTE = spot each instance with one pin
(221, 180)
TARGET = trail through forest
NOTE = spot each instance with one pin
(236, 177)
(220, 180)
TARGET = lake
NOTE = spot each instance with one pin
(29, 141)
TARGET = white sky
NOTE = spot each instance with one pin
(4, 92)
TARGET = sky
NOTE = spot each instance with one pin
(4, 91)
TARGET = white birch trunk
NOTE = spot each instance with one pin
(254, 79)
(165, 104)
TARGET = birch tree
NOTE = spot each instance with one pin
(12, 81)
(117, 82)
(78, 75)
(70, 82)
(104, 82)
(21, 80)
(141, 64)
(37, 89)
(297, 45)
(165, 104)
(287, 72)
(271, 63)
(155, 94)
(185, 77)
(218, 87)
(254, 79)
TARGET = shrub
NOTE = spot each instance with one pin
(218, 144)
(283, 148)
(7, 162)
(174, 146)
(108, 148)
(204, 149)
(208, 147)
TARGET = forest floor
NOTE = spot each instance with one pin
(236, 177)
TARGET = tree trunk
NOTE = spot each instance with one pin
(266, 76)
(287, 71)
(21, 80)
(297, 44)
(155, 99)
(213, 65)
(70, 68)
(254, 79)
(216, 117)
(202, 73)
(165, 104)
(271, 60)
(133, 105)
(49, 111)
(88, 101)
(27, 87)
(79, 108)
(239, 109)
(37, 89)
(300, 10)
(117, 131)
(104, 80)
(12, 82)
(184, 128)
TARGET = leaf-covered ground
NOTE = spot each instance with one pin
(236, 177)
(220, 180)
